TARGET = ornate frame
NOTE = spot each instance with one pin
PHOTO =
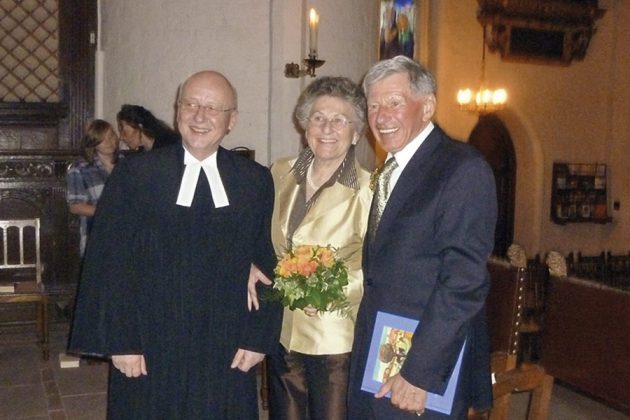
(550, 32)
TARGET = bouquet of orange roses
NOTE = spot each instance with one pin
(312, 275)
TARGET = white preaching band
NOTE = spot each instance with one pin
(191, 176)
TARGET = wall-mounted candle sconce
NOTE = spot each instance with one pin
(293, 69)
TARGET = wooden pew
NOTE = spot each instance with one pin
(586, 339)
(505, 310)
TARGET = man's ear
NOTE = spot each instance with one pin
(232, 123)
(428, 107)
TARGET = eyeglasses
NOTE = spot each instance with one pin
(337, 122)
(193, 108)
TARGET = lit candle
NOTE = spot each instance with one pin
(313, 23)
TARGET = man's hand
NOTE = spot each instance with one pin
(244, 360)
(132, 365)
(255, 275)
(404, 395)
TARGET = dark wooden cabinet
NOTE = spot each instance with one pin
(579, 193)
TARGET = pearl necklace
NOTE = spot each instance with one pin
(309, 178)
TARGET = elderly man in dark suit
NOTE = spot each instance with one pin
(425, 257)
(164, 286)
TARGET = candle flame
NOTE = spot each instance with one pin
(313, 17)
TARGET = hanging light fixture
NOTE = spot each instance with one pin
(483, 100)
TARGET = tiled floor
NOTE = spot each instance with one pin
(33, 389)
(36, 390)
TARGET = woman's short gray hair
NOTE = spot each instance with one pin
(336, 87)
(420, 79)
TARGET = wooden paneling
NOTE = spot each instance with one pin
(38, 140)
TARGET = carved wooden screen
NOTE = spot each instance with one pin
(29, 51)
(46, 72)
(46, 98)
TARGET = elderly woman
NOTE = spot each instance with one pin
(322, 198)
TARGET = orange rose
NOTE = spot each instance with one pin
(303, 251)
(286, 267)
(326, 257)
(306, 268)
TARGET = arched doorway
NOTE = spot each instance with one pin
(491, 137)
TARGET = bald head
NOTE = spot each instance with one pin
(213, 77)
(206, 112)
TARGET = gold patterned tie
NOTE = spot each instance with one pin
(381, 194)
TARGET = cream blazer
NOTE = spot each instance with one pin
(338, 218)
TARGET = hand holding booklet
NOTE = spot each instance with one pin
(389, 347)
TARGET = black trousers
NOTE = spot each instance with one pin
(307, 387)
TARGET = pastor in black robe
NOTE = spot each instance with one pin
(170, 282)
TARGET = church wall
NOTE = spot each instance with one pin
(578, 113)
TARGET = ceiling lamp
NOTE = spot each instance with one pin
(482, 100)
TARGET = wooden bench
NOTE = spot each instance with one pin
(586, 339)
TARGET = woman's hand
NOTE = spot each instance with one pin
(310, 310)
(255, 275)
(131, 365)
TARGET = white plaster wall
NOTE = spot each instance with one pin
(150, 47)
(347, 42)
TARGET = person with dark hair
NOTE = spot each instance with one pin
(322, 198)
(164, 283)
(141, 130)
(86, 178)
(430, 233)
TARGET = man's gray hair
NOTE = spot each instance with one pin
(420, 78)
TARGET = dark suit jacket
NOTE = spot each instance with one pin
(427, 261)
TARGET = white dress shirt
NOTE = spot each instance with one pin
(404, 155)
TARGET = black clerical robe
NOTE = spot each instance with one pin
(170, 282)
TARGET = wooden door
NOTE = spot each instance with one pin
(491, 137)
